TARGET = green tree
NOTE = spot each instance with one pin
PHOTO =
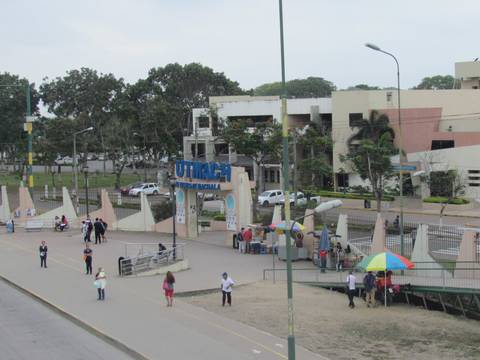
(298, 88)
(86, 97)
(259, 143)
(13, 108)
(317, 150)
(189, 86)
(438, 82)
(363, 87)
(370, 149)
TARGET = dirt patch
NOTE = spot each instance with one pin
(325, 325)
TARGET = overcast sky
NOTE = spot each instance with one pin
(240, 38)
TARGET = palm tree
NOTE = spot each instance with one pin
(370, 149)
(371, 129)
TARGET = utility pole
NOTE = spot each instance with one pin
(286, 169)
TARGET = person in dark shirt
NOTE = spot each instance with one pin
(43, 249)
(87, 256)
(98, 228)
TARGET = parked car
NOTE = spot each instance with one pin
(301, 199)
(66, 160)
(270, 197)
(147, 188)
(126, 189)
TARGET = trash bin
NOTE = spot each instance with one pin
(127, 266)
(234, 241)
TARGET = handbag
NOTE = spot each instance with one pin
(97, 284)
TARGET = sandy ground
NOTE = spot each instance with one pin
(325, 325)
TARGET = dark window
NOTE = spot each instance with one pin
(203, 122)
(278, 176)
(473, 184)
(272, 176)
(342, 180)
(442, 144)
(473, 178)
(221, 149)
(474, 171)
(354, 119)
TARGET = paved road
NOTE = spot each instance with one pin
(29, 330)
(134, 311)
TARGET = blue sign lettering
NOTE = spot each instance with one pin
(203, 171)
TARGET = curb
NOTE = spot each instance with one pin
(412, 212)
(92, 330)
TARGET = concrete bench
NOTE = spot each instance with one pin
(34, 225)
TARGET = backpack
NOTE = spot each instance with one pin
(240, 236)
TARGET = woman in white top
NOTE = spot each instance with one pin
(100, 283)
(226, 287)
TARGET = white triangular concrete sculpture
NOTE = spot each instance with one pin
(277, 214)
(467, 263)
(422, 258)
(140, 221)
(5, 213)
(66, 209)
(342, 230)
(378, 241)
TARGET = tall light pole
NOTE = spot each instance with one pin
(400, 140)
(144, 154)
(286, 168)
(75, 165)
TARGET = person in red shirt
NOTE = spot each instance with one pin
(247, 237)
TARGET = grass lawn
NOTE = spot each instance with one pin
(66, 179)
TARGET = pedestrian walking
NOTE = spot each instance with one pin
(168, 287)
(89, 228)
(100, 283)
(339, 257)
(98, 228)
(84, 229)
(43, 249)
(226, 287)
(369, 281)
(241, 242)
(351, 288)
(104, 230)
(87, 257)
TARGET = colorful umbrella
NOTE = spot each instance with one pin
(385, 261)
(282, 226)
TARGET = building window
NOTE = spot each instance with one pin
(474, 171)
(203, 122)
(354, 119)
(442, 144)
(473, 184)
(278, 176)
(342, 180)
(474, 178)
(389, 96)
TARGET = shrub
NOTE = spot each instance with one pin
(443, 200)
(219, 217)
(162, 211)
(340, 195)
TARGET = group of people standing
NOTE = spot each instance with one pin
(373, 284)
(244, 238)
(99, 227)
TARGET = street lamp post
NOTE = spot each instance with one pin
(75, 165)
(400, 140)
(85, 172)
(174, 215)
(286, 184)
(144, 154)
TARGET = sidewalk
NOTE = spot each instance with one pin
(134, 312)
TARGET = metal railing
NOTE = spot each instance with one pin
(463, 275)
(149, 257)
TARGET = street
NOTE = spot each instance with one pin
(29, 330)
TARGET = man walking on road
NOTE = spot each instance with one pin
(351, 288)
(370, 288)
(87, 256)
(43, 254)
(98, 228)
(226, 287)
